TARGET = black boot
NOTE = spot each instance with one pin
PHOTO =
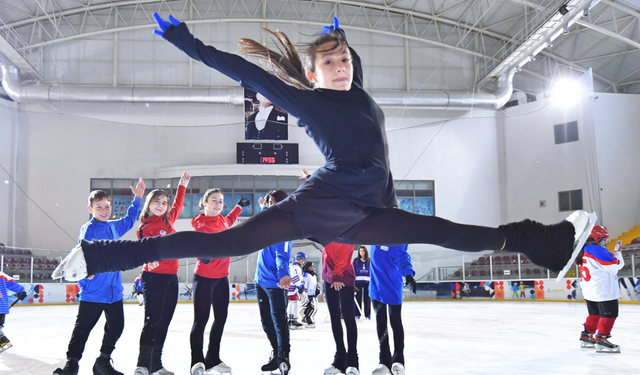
(272, 365)
(549, 246)
(103, 366)
(70, 368)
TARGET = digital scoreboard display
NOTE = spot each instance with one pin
(267, 153)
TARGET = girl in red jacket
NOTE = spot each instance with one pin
(339, 286)
(159, 279)
(211, 285)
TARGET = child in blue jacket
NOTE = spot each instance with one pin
(272, 283)
(388, 265)
(7, 283)
(101, 293)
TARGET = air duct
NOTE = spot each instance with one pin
(34, 94)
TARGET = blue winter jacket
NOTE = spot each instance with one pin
(388, 265)
(106, 287)
(273, 264)
(7, 282)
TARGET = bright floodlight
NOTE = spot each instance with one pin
(566, 91)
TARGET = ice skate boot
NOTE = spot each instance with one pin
(73, 267)
(221, 368)
(103, 367)
(70, 368)
(605, 346)
(397, 369)
(198, 369)
(4, 343)
(272, 365)
(332, 370)
(162, 371)
(352, 371)
(381, 370)
(141, 371)
(550, 246)
(586, 340)
(284, 366)
(294, 324)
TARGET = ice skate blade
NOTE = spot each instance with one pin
(583, 223)
(587, 345)
(5, 347)
(73, 267)
(604, 349)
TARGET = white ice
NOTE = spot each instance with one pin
(442, 337)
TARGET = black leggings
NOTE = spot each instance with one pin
(340, 303)
(208, 293)
(395, 318)
(389, 226)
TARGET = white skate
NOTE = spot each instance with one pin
(163, 371)
(397, 369)
(139, 370)
(73, 267)
(220, 368)
(381, 370)
(332, 370)
(583, 223)
(198, 369)
(352, 371)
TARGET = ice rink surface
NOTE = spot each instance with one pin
(442, 337)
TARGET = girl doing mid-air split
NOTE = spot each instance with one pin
(349, 200)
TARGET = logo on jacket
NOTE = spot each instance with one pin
(163, 232)
(280, 118)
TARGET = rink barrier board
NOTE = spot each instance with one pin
(568, 290)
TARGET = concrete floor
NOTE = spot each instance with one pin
(442, 337)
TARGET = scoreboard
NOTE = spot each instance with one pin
(267, 153)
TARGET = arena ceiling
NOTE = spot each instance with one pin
(530, 35)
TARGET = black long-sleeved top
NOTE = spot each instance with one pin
(347, 126)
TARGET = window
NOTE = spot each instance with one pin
(565, 133)
(570, 200)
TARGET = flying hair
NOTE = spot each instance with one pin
(285, 62)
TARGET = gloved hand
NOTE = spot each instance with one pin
(331, 28)
(22, 295)
(163, 24)
(244, 202)
(410, 280)
(300, 290)
(205, 261)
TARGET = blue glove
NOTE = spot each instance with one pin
(329, 29)
(163, 24)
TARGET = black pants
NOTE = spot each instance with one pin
(340, 302)
(208, 293)
(388, 226)
(88, 315)
(606, 309)
(272, 303)
(160, 293)
(362, 293)
(395, 318)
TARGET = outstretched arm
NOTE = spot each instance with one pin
(233, 66)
